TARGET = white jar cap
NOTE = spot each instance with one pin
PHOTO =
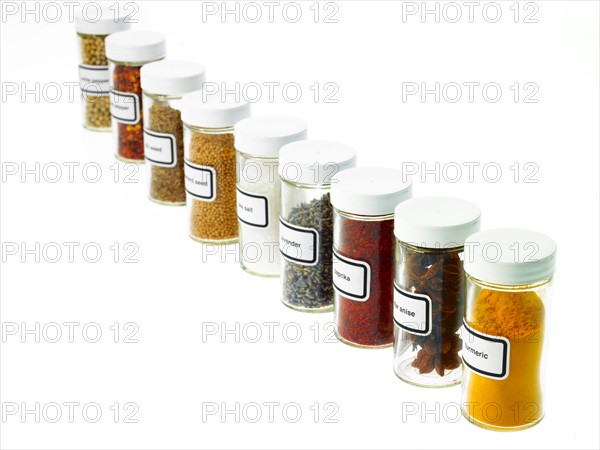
(136, 46)
(314, 162)
(172, 77)
(370, 191)
(510, 256)
(265, 135)
(88, 22)
(436, 222)
(212, 111)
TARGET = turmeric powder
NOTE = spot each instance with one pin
(515, 401)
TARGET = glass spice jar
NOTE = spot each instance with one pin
(509, 280)
(127, 52)
(258, 141)
(306, 224)
(429, 288)
(210, 166)
(164, 83)
(363, 202)
(94, 79)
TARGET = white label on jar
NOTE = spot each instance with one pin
(298, 244)
(412, 312)
(200, 182)
(94, 79)
(125, 107)
(159, 148)
(252, 209)
(486, 355)
(351, 278)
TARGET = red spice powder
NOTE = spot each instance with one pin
(368, 323)
(130, 144)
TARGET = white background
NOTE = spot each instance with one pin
(369, 53)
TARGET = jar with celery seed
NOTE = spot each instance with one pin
(127, 52)
(94, 78)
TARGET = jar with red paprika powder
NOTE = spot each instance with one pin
(363, 202)
(429, 288)
(127, 52)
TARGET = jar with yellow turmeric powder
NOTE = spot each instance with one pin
(509, 276)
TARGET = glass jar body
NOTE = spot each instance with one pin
(428, 310)
(210, 184)
(258, 209)
(94, 82)
(306, 244)
(163, 148)
(503, 348)
(363, 278)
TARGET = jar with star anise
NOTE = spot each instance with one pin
(429, 288)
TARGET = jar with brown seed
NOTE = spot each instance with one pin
(94, 79)
(429, 288)
(164, 83)
(210, 164)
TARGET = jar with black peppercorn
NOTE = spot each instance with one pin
(363, 202)
(164, 83)
(429, 288)
(94, 79)
(127, 52)
(306, 169)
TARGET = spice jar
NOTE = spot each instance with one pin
(509, 278)
(209, 169)
(94, 80)
(429, 288)
(127, 52)
(258, 141)
(163, 84)
(363, 202)
(306, 224)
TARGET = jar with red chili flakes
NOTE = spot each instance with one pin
(127, 52)
(429, 288)
(363, 202)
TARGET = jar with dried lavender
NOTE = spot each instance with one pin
(306, 169)
(209, 166)
(94, 79)
(363, 202)
(127, 52)
(429, 288)
(164, 83)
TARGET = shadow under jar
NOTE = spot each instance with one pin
(429, 288)
(306, 224)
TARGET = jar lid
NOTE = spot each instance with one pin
(136, 46)
(510, 256)
(213, 111)
(107, 23)
(265, 135)
(314, 162)
(436, 222)
(172, 77)
(370, 191)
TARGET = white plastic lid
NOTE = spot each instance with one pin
(510, 256)
(265, 135)
(212, 111)
(172, 77)
(136, 46)
(100, 21)
(314, 162)
(370, 191)
(436, 222)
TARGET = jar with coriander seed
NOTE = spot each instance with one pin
(429, 288)
(127, 52)
(94, 79)
(210, 166)
(164, 83)
(306, 169)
